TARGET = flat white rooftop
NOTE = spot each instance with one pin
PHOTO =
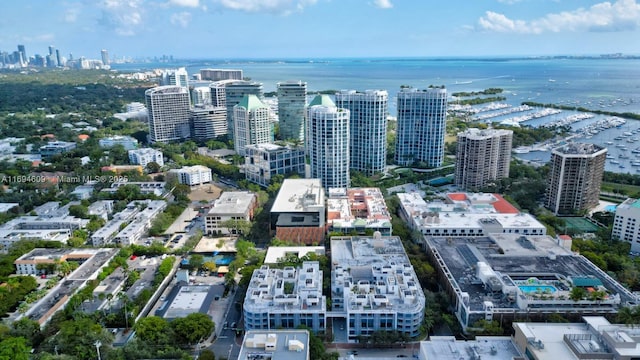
(448, 348)
(232, 202)
(299, 195)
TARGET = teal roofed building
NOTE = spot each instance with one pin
(252, 125)
(323, 100)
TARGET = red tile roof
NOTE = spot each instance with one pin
(457, 196)
(503, 206)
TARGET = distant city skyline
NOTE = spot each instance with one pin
(321, 28)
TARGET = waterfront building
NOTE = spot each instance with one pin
(263, 161)
(168, 108)
(328, 142)
(231, 205)
(192, 175)
(220, 74)
(144, 156)
(594, 338)
(127, 142)
(292, 102)
(174, 77)
(466, 215)
(298, 212)
(358, 210)
(375, 286)
(278, 344)
(575, 177)
(626, 223)
(201, 95)
(367, 128)
(421, 126)
(482, 156)
(234, 92)
(286, 298)
(251, 123)
(104, 54)
(208, 122)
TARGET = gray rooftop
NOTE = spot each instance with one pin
(275, 345)
(448, 348)
(517, 258)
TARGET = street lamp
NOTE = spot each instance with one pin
(98, 344)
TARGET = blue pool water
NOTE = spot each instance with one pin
(534, 288)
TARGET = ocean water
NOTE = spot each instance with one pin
(598, 84)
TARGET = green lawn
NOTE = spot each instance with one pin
(620, 188)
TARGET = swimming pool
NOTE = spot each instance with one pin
(536, 288)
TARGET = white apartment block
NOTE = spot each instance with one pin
(482, 156)
(626, 224)
(192, 175)
(107, 233)
(168, 108)
(286, 298)
(140, 223)
(175, 77)
(374, 284)
(232, 205)
(220, 74)
(328, 142)
(263, 161)
(127, 142)
(144, 156)
(208, 122)
(466, 215)
(251, 123)
(421, 126)
(367, 128)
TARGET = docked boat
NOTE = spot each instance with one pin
(615, 162)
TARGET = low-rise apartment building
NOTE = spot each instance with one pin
(359, 210)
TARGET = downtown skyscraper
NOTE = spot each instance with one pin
(168, 108)
(292, 102)
(482, 156)
(421, 128)
(367, 128)
(328, 142)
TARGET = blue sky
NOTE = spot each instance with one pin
(321, 28)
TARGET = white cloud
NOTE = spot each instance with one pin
(283, 7)
(181, 19)
(606, 16)
(71, 15)
(383, 4)
(186, 3)
(38, 38)
(509, 2)
(122, 16)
